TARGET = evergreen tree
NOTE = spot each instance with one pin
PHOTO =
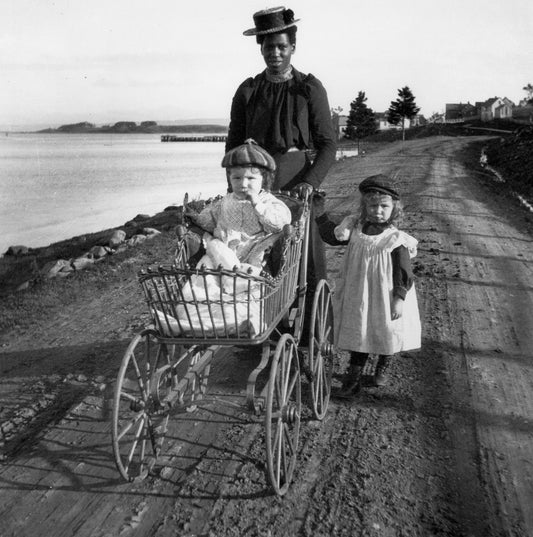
(529, 90)
(361, 120)
(404, 107)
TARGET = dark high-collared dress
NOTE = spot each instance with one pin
(285, 117)
(291, 119)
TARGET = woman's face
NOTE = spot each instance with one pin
(245, 181)
(379, 208)
(277, 51)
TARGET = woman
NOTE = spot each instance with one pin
(287, 113)
(283, 110)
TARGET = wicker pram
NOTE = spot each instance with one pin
(192, 305)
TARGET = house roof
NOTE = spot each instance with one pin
(490, 102)
(458, 106)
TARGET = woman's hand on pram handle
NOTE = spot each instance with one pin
(304, 190)
(319, 203)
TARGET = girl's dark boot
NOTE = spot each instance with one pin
(380, 376)
(352, 381)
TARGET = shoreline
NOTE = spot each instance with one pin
(21, 271)
(25, 267)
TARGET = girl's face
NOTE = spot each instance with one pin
(245, 181)
(277, 51)
(379, 208)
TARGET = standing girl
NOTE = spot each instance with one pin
(375, 306)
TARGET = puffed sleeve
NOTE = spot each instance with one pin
(272, 213)
(400, 238)
(322, 132)
(208, 218)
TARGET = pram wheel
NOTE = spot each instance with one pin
(321, 349)
(140, 408)
(283, 412)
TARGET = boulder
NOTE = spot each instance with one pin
(81, 263)
(97, 252)
(24, 286)
(17, 250)
(141, 217)
(54, 268)
(135, 240)
(151, 232)
(117, 237)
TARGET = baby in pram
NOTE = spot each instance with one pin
(246, 222)
(233, 232)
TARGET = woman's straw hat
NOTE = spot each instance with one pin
(272, 20)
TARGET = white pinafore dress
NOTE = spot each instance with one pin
(363, 296)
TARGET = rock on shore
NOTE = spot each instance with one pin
(21, 266)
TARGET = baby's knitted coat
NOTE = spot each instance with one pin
(240, 225)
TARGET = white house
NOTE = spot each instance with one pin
(496, 108)
(383, 124)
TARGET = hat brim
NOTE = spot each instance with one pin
(254, 31)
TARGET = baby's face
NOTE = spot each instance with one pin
(246, 181)
(379, 208)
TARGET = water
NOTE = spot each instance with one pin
(57, 186)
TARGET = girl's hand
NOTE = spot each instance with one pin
(396, 308)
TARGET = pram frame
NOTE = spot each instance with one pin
(161, 386)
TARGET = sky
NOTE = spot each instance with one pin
(103, 61)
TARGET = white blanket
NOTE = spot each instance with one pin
(234, 301)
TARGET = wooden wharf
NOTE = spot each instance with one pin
(210, 138)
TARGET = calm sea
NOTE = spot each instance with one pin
(57, 186)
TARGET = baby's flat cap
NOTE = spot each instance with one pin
(249, 154)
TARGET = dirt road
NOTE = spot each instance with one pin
(445, 450)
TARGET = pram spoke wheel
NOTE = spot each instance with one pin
(321, 349)
(140, 405)
(283, 412)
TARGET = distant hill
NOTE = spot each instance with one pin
(124, 127)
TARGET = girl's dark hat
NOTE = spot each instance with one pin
(380, 183)
(272, 20)
(249, 154)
